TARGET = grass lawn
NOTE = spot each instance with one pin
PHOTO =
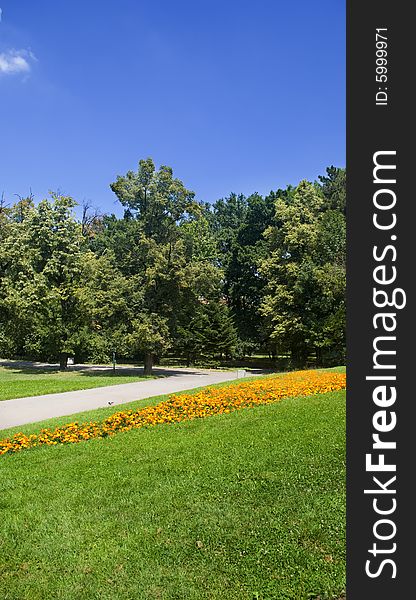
(242, 506)
(22, 382)
(99, 414)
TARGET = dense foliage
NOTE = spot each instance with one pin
(175, 276)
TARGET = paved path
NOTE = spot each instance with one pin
(37, 408)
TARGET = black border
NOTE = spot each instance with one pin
(371, 128)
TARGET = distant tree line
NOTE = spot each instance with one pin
(174, 276)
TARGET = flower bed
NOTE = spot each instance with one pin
(207, 402)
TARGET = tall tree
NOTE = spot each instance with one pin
(15, 272)
(46, 248)
(158, 200)
(239, 224)
(104, 294)
(245, 274)
(158, 204)
(334, 188)
(304, 303)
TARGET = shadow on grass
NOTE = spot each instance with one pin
(33, 368)
(27, 368)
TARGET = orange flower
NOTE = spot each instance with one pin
(207, 402)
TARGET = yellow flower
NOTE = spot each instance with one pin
(205, 403)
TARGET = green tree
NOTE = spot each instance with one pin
(334, 189)
(41, 282)
(239, 224)
(104, 293)
(202, 286)
(15, 274)
(305, 297)
(217, 332)
(149, 335)
(201, 281)
(157, 205)
(210, 333)
(158, 200)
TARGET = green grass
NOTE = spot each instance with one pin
(249, 505)
(99, 414)
(22, 382)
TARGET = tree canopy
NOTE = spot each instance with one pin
(175, 276)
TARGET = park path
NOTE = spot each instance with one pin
(37, 408)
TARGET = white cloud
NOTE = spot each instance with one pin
(15, 61)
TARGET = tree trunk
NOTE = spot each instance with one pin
(148, 363)
(299, 358)
(63, 361)
(318, 352)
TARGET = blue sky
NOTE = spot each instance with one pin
(234, 95)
